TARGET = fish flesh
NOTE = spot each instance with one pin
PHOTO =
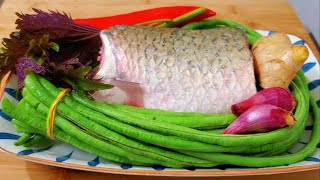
(176, 69)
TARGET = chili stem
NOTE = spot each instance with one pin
(155, 22)
(184, 17)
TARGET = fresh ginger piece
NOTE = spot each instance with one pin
(300, 54)
(276, 60)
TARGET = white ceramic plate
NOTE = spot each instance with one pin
(64, 155)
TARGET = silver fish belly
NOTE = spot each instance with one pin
(177, 70)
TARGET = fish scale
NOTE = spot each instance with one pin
(179, 70)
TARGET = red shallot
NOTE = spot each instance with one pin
(276, 96)
(260, 118)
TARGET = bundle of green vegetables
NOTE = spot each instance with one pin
(136, 136)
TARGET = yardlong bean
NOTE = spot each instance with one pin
(172, 142)
(213, 121)
(66, 126)
(108, 122)
(36, 122)
(268, 144)
(241, 150)
(99, 143)
(25, 128)
(192, 134)
(37, 138)
(267, 147)
(36, 89)
(166, 128)
(23, 139)
(157, 112)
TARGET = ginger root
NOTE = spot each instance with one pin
(276, 60)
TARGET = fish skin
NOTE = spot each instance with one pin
(180, 70)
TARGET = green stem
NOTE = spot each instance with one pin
(184, 17)
(154, 22)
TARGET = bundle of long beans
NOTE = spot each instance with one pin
(149, 137)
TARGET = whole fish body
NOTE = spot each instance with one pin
(176, 69)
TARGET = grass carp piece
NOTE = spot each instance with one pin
(176, 69)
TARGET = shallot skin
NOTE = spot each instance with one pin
(260, 118)
(276, 96)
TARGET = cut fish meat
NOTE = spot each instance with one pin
(176, 69)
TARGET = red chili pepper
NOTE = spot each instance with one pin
(145, 16)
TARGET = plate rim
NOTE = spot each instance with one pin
(222, 173)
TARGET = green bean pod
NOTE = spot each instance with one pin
(97, 141)
(25, 128)
(192, 134)
(157, 112)
(36, 89)
(156, 139)
(268, 148)
(23, 139)
(188, 133)
(213, 121)
(15, 111)
(242, 149)
(37, 138)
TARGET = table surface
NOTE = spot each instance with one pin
(275, 15)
